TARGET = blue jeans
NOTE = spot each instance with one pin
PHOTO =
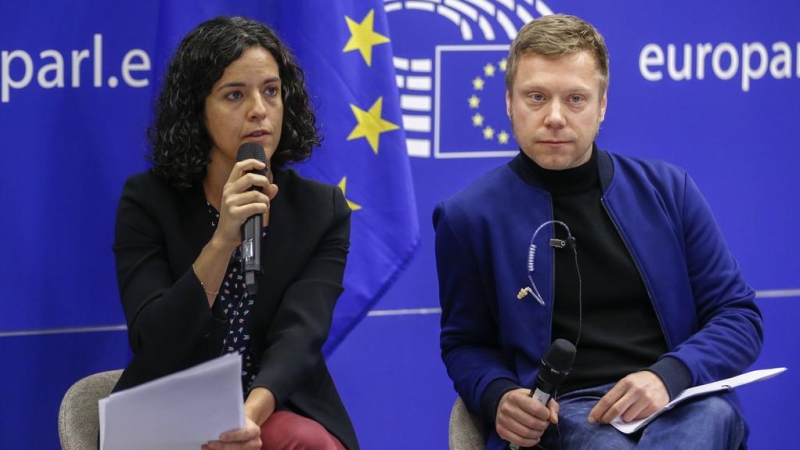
(704, 423)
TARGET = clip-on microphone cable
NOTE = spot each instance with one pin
(557, 243)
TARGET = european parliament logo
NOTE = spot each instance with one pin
(450, 61)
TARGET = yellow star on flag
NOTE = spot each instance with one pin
(477, 84)
(488, 70)
(363, 37)
(502, 137)
(488, 133)
(474, 101)
(477, 120)
(343, 186)
(370, 124)
(502, 64)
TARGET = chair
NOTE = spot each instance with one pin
(78, 416)
(466, 429)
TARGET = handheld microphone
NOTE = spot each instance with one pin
(555, 366)
(251, 229)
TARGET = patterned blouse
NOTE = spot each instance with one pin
(236, 306)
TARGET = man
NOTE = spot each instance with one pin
(649, 293)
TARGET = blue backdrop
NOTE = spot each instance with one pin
(709, 86)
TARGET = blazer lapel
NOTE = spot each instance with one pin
(277, 242)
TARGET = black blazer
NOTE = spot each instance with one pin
(160, 231)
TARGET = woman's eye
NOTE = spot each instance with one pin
(235, 95)
(272, 90)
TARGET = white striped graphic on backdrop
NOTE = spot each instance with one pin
(777, 293)
(493, 20)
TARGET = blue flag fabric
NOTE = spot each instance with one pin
(344, 47)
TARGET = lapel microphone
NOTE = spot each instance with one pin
(557, 243)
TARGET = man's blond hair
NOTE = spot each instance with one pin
(555, 36)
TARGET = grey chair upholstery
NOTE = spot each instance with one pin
(466, 429)
(78, 416)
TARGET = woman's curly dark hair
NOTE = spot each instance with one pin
(180, 143)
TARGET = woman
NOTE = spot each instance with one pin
(231, 82)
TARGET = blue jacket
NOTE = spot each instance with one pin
(706, 310)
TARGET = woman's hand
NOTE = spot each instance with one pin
(237, 203)
(247, 438)
(259, 405)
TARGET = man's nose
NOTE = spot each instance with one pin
(555, 115)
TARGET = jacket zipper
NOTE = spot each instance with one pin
(552, 302)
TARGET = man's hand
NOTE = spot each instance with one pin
(634, 397)
(521, 420)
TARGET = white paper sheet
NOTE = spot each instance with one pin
(722, 385)
(181, 411)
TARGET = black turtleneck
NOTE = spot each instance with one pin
(619, 330)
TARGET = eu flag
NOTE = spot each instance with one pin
(345, 49)
(471, 94)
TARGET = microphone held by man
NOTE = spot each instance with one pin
(555, 366)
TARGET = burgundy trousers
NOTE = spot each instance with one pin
(285, 430)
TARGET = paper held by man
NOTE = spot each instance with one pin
(722, 385)
(180, 411)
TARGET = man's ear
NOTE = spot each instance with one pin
(603, 105)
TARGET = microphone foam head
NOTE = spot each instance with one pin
(251, 150)
(560, 355)
(555, 365)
